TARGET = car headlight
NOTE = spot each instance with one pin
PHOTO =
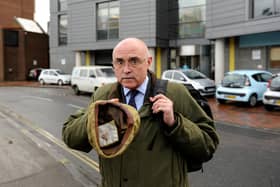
(197, 86)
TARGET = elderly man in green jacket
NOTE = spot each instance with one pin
(161, 151)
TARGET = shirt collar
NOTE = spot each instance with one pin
(142, 88)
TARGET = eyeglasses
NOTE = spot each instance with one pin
(132, 62)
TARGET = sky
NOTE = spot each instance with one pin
(42, 13)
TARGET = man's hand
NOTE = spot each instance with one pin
(163, 104)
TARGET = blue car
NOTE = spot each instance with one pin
(246, 86)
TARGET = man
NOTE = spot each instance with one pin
(161, 151)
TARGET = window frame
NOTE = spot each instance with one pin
(274, 12)
(62, 5)
(195, 17)
(110, 28)
(62, 36)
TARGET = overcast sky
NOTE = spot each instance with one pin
(42, 13)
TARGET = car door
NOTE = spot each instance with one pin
(47, 77)
(91, 80)
(82, 81)
(53, 77)
(261, 83)
(179, 77)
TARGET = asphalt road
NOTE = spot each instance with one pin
(246, 156)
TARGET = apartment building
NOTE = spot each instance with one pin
(84, 32)
(245, 33)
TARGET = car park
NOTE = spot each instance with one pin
(89, 78)
(247, 86)
(34, 73)
(271, 97)
(54, 76)
(198, 80)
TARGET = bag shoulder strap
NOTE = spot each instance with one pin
(160, 87)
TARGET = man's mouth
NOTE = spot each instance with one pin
(127, 78)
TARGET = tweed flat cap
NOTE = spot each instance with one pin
(111, 127)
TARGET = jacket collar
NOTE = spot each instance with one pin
(117, 92)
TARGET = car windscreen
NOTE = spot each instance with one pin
(105, 72)
(234, 80)
(275, 84)
(191, 74)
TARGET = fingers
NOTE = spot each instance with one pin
(161, 103)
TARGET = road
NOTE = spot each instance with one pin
(246, 156)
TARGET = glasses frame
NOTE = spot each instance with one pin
(133, 62)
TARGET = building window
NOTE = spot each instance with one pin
(62, 29)
(260, 8)
(108, 15)
(62, 5)
(11, 38)
(275, 58)
(191, 18)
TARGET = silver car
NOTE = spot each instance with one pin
(195, 78)
(271, 97)
(54, 76)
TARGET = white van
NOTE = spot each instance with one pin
(89, 78)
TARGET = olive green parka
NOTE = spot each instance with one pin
(158, 155)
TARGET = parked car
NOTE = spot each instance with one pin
(89, 78)
(271, 97)
(243, 86)
(54, 76)
(195, 78)
(34, 73)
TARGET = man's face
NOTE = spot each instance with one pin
(131, 63)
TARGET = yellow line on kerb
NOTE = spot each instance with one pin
(61, 144)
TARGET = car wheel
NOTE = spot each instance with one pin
(268, 107)
(252, 100)
(60, 82)
(42, 82)
(76, 90)
(221, 101)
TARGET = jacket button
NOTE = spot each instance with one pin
(125, 179)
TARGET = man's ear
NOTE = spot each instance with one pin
(150, 60)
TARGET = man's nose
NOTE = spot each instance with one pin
(126, 67)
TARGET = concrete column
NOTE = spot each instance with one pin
(78, 58)
(219, 60)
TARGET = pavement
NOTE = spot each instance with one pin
(25, 163)
(30, 159)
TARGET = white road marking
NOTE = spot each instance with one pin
(38, 98)
(75, 106)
